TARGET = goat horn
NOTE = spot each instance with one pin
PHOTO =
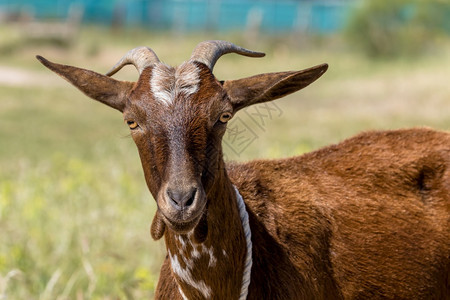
(140, 57)
(209, 52)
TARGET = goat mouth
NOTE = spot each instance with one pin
(180, 226)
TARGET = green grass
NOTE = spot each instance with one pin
(76, 222)
(74, 208)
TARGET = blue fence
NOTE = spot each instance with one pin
(217, 15)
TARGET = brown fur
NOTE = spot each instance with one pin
(368, 218)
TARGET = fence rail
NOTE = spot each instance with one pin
(190, 15)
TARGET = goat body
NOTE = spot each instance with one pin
(364, 219)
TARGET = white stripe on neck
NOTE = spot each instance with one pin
(248, 240)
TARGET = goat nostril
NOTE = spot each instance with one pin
(181, 199)
(190, 200)
(173, 196)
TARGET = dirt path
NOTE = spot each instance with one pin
(10, 76)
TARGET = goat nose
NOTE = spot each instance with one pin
(181, 199)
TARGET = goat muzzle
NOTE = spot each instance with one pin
(181, 207)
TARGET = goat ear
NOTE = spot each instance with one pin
(266, 87)
(97, 86)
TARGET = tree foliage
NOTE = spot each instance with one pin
(398, 27)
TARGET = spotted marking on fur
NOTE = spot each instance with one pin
(182, 242)
(196, 252)
(167, 83)
(212, 258)
(184, 261)
(186, 276)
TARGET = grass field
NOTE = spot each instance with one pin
(74, 209)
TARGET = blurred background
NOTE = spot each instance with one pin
(74, 208)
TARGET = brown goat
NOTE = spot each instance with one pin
(368, 218)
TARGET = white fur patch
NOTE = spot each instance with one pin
(212, 258)
(186, 276)
(167, 82)
(197, 251)
(224, 253)
(182, 242)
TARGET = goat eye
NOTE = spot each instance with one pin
(225, 117)
(132, 124)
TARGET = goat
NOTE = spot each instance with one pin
(366, 218)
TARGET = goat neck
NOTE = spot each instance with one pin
(211, 268)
